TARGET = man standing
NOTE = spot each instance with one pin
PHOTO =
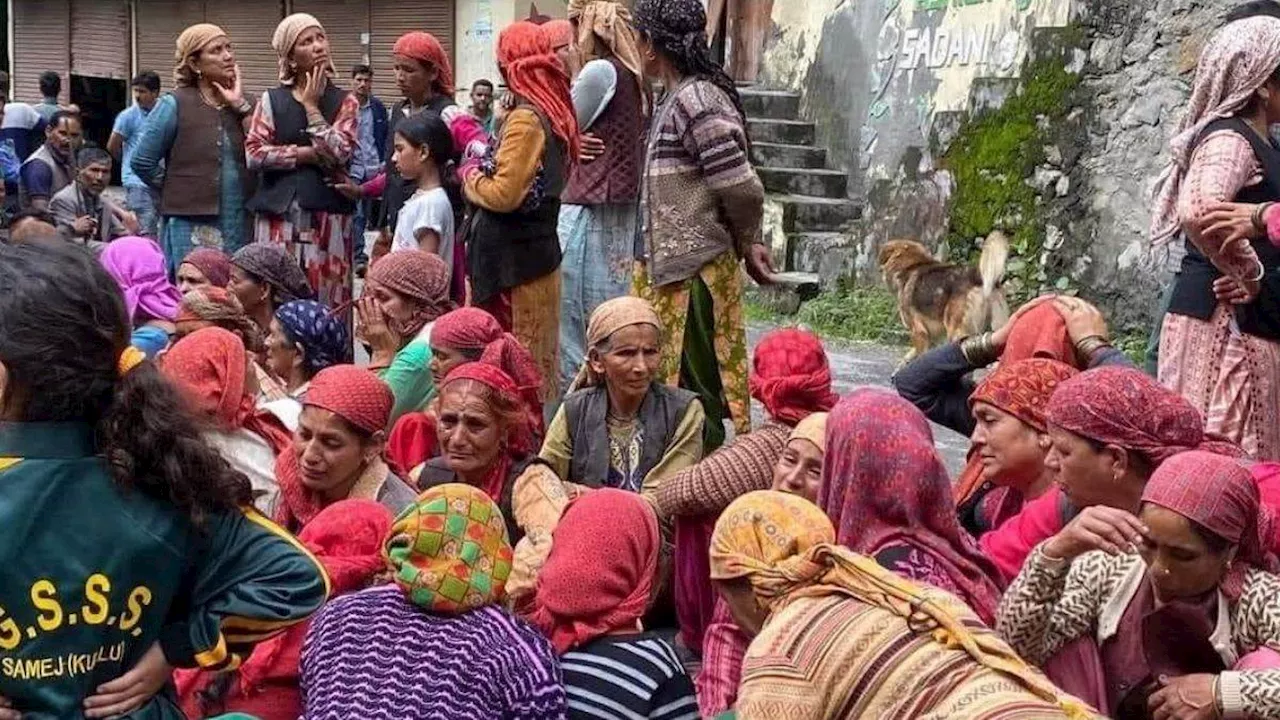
(140, 197)
(370, 153)
(50, 88)
(81, 213)
(482, 103)
(52, 166)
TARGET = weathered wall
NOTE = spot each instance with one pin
(478, 23)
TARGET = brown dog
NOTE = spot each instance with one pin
(944, 301)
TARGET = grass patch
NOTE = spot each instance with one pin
(864, 314)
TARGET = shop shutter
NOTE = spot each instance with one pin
(347, 24)
(389, 20)
(42, 41)
(159, 22)
(100, 38)
(250, 26)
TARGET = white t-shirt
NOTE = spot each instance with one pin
(426, 209)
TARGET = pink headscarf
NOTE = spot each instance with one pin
(137, 265)
(1237, 60)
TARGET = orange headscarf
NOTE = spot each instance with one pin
(533, 72)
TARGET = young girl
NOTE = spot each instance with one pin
(423, 147)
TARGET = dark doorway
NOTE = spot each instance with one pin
(100, 100)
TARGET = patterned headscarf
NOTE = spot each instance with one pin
(468, 329)
(790, 375)
(1125, 407)
(678, 29)
(813, 429)
(476, 332)
(601, 571)
(353, 394)
(220, 307)
(270, 263)
(137, 266)
(449, 551)
(1236, 61)
(191, 41)
(608, 23)
(520, 437)
(608, 318)
(323, 336)
(426, 49)
(214, 264)
(534, 73)
(782, 548)
(420, 276)
(286, 36)
(1218, 494)
(883, 484)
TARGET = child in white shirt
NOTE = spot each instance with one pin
(423, 146)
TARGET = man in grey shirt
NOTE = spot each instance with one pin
(82, 214)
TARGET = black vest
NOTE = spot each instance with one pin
(586, 411)
(306, 183)
(1193, 291)
(436, 472)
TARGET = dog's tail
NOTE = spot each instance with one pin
(995, 254)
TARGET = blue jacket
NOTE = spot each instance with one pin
(379, 127)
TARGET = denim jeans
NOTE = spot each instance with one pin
(145, 203)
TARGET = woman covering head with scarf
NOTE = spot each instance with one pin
(1220, 342)
(301, 138)
(595, 587)
(620, 427)
(1176, 598)
(513, 252)
(441, 624)
(836, 635)
(597, 224)
(337, 449)
(137, 266)
(264, 277)
(199, 165)
(203, 267)
(305, 338)
(404, 294)
(215, 307)
(346, 538)
(216, 373)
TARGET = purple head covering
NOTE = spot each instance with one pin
(137, 265)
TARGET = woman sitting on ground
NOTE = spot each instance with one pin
(456, 652)
(216, 372)
(337, 450)
(203, 267)
(1176, 596)
(837, 635)
(620, 427)
(405, 292)
(346, 538)
(137, 265)
(264, 277)
(595, 587)
(306, 337)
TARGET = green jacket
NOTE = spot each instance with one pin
(92, 575)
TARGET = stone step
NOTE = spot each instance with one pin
(770, 104)
(788, 291)
(768, 154)
(801, 213)
(832, 256)
(790, 132)
(817, 182)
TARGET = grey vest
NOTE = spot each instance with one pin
(63, 175)
(585, 412)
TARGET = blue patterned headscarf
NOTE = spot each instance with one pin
(322, 334)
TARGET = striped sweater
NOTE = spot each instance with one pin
(734, 470)
(374, 655)
(700, 196)
(627, 677)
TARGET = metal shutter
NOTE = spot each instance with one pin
(346, 22)
(159, 24)
(100, 38)
(250, 26)
(42, 41)
(392, 18)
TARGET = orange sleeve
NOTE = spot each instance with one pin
(519, 154)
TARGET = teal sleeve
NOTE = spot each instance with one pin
(409, 377)
(250, 582)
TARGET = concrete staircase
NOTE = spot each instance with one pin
(809, 200)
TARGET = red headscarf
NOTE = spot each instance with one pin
(884, 485)
(559, 32)
(467, 328)
(790, 375)
(214, 264)
(1040, 333)
(420, 276)
(1218, 494)
(473, 329)
(520, 440)
(601, 570)
(1124, 407)
(210, 366)
(533, 72)
(426, 49)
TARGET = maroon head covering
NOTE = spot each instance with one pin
(883, 485)
(353, 394)
(467, 328)
(1125, 407)
(214, 264)
(420, 276)
(1218, 494)
(790, 375)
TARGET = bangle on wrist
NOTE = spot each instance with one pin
(1090, 345)
(979, 350)
(1258, 218)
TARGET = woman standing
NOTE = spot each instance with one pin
(700, 214)
(89, 429)
(192, 149)
(301, 138)
(1220, 343)
(513, 253)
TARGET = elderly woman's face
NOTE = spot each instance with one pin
(1180, 563)
(1086, 474)
(248, 289)
(190, 278)
(216, 62)
(470, 431)
(799, 470)
(331, 454)
(629, 360)
(1010, 450)
(282, 355)
(310, 49)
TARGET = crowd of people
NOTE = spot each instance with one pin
(542, 496)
